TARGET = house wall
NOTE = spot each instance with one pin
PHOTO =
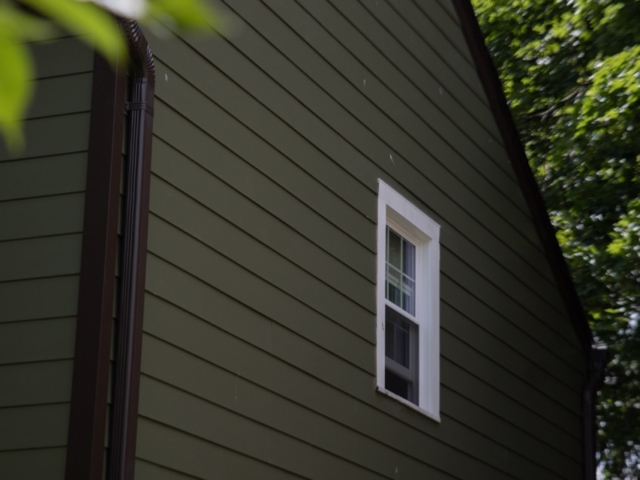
(41, 212)
(259, 345)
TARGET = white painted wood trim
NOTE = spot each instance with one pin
(412, 223)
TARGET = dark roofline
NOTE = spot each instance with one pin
(498, 103)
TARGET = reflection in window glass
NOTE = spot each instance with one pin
(397, 340)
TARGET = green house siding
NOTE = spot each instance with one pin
(41, 208)
(259, 345)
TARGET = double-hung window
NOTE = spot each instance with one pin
(408, 303)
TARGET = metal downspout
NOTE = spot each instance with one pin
(128, 343)
(598, 359)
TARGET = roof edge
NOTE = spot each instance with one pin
(515, 150)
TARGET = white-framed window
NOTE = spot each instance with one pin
(408, 303)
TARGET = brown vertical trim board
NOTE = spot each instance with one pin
(126, 381)
(87, 422)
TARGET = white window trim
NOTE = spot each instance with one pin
(397, 212)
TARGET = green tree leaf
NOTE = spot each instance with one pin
(86, 19)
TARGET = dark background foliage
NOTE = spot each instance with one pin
(571, 74)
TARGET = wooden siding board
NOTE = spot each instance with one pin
(446, 21)
(47, 100)
(33, 426)
(41, 216)
(241, 434)
(219, 234)
(223, 275)
(503, 253)
(39, 177)
(52, 136)
(561, 452)
(40, 257)
(161, 367)
(227, 390)
(228, 242)
(279, 342)
(35, 383)
(245, 399)
(475, 307)
(562, 458)
(251, 113)
(214, 158)
(289, 169)
(558, 336)
(282, 202)
(41, 206)
(258, 164)
(396, 109)
(77, 58)
(554, 298)
(290, 56)
(199, 458)
(37, 341)
(41, 464)
(145, 470)
(241, 80)
(515, 279)
(507, 355)
(39, 298)
(255, 217)
(164, 318)
(491, 398)
(561, 409)
(452, 106)
(447, 5)
(265, 372)
(415, 37)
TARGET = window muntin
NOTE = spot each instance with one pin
(401, 271)
(408, 300)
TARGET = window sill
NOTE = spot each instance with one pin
(407, 403)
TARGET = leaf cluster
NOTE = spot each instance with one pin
(25, 21)
(571, 74)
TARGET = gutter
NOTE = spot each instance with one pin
(128, 342)
(97, 293)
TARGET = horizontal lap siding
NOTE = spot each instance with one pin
(41, 209)
(39, 464)
(259, 345)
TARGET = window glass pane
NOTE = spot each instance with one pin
(408, 296)
(394, 285)
(400, 274)
(397, 340)
(396, 384)
(394, 249)
(409, 299)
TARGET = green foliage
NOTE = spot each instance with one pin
(571, 74)
(33, 20)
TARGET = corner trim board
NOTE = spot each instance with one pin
(88, 412)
